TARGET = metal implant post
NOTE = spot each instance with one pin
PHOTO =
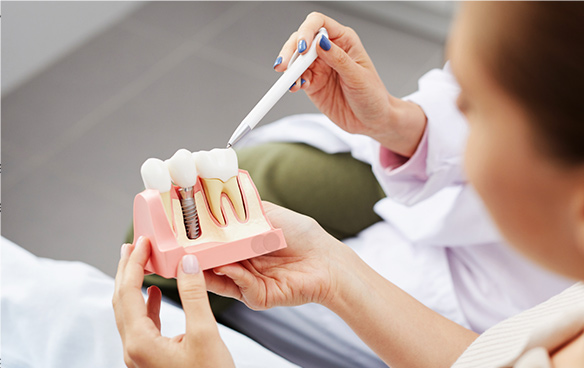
(189, 210)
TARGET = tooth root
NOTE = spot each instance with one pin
(231, 188)
(213, 189)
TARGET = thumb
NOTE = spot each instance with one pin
(193, 294)
(335, 57)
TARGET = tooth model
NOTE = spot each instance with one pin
(184, 174)
(218, 170)
(229, 221)
(155, 175)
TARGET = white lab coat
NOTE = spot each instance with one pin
(437, 241)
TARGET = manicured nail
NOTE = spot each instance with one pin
(302, 81)
(301, 46)
(325, 44)
(124, 250)
(292, 86)
(190, 264)
(141, 241)
(218, 273)
(278, 61)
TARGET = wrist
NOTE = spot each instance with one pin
(346, 280)
(403, 133)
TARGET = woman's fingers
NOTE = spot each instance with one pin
(296, 86)
(124, 257)
(315, 21)
(153, 305)
(246, 282)
(286, 53)
(335, 57)
(129, 305)
(306, 78)
(218, 283)
(136, 322)
(193, 294)
(301, 40)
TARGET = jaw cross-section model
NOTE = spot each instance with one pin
(212, 210)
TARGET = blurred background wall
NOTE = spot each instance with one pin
(92, 89)
(40, 33)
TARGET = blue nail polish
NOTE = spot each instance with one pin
(292, 85)
(278, 61)
(301, 46)
(325, 44)
(302, 81)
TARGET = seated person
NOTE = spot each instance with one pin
(415, 220)
(528, 171)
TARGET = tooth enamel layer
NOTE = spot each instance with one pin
(155, 175)
(214, 189)
(218, 163)
(182, 168)
(218, 170)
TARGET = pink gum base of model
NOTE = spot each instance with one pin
(150, 220)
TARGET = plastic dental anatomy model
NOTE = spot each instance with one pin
(212, 210)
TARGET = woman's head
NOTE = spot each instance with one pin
(520, 68)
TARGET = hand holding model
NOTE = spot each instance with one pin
(299, 274)
(345, 86)
(139, 322)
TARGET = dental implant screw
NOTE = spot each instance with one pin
(189, 210)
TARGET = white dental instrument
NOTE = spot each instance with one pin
(297, 65)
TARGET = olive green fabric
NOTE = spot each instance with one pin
(336, 190)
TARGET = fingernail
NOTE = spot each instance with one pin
(124, 250)
(325, 44)
(302, 81)
(278, 61)
(301, 46)
(140, 242)
(218, 273)
(190, 264)
(148, 290)
(292, 86)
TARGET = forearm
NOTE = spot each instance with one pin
(406, 128)
(401, 330)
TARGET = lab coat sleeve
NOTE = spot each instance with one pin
(437, 162)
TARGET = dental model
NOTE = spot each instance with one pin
(213, 210)
(218, 170)
(184, 174)
(155, 176)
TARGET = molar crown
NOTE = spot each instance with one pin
(219, 163)
(183, 171)
(218, 170)
(155, 175)
(182, 168)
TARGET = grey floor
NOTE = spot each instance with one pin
(169, 76)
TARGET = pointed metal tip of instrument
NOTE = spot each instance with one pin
(229, 145)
